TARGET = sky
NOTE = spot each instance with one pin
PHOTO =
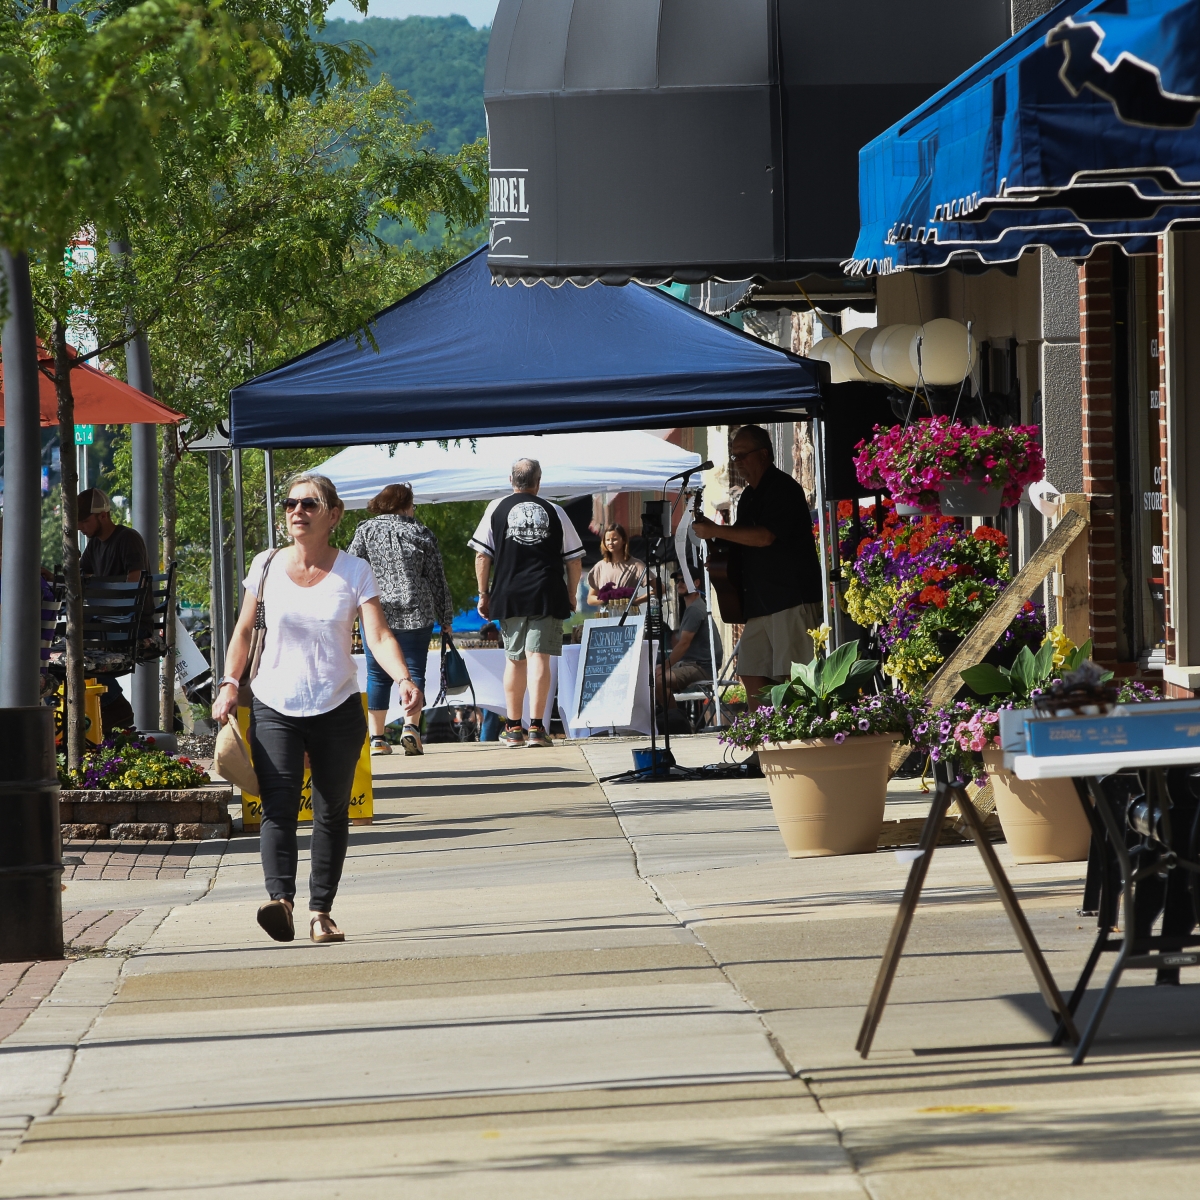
(478, 12)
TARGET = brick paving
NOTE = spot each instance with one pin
(24, 985)
(107, 859)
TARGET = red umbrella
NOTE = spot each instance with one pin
(99, 398)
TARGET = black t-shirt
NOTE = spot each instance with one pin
(787, 572)
(124, 551)
(528, 540)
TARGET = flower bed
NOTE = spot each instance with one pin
(924, 583)
(125, 789)
(913, 462)
(124, 761)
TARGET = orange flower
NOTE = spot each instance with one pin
(986, 534)
(934, 596)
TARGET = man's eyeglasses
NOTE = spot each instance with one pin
(746, 454)
(308, 503)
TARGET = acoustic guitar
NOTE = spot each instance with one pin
(724, 572)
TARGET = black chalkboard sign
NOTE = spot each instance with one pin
(607, 677)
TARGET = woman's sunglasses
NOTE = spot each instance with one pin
(308, 503)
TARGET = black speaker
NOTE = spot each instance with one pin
(852, 410)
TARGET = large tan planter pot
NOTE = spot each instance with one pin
(1042, 819)
(828, 799)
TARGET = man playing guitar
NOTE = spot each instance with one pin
(780, 572)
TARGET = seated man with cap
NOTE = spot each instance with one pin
(112, 551)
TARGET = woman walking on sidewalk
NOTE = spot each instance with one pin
(415, 596)
(306, 698)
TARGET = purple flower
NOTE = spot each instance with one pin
(839, 738)
(864, 724)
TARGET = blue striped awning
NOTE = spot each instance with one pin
(1080, 130)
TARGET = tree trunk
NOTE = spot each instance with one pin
(170, 460)
(74, 714)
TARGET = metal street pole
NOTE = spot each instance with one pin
(239, 536)
(30, 847)
(269, 472)
(21, 614)
(217, 547)
(144, 444)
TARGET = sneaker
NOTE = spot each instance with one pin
(538, 736)
(410, 739)
(379, 745)
(512, 737)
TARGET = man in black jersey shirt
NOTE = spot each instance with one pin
(536, 555)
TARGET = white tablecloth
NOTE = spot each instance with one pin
(486, 668)
(487, 674)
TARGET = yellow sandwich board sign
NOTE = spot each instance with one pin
(362, 795)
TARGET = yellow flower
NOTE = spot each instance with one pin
(1062, 644)
(820, 638)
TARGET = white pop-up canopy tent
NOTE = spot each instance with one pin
(573, 465)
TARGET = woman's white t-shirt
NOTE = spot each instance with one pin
(306, 667)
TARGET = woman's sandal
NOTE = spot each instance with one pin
(276, 918)
(332, 934)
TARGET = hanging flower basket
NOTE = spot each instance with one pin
(920, 463)
(974, 498)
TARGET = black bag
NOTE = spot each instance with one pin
(455, 676)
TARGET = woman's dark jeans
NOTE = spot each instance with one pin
(415, 644)
(334, 741)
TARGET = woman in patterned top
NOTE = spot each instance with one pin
(415, 596)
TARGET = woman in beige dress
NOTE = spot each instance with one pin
(616, 575)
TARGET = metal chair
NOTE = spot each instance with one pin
(112, 614)
(159, 611)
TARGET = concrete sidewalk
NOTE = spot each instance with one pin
(962, 1095)
(515, 1013)
(556, 989)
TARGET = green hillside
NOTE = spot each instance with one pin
(438, 60)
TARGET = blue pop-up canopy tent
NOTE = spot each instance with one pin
(462, 357)
(1079, 130)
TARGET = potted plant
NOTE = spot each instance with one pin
(966, 470)
(923, 585)
(824, 748)
(1042, 820)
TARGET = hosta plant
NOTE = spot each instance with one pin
(824, 698)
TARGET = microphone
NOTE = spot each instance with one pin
(704, 466)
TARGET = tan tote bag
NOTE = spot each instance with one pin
(231, 759)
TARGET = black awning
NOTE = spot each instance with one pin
(702, 139)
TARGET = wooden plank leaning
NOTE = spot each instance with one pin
(942, 688)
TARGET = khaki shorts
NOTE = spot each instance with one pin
(683, 675)
(531, 635)
(772, 643)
